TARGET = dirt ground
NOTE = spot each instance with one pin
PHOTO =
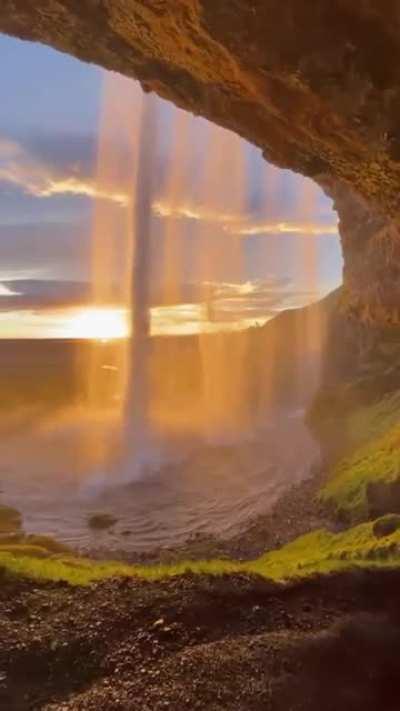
(219, 644)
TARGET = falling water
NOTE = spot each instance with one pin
(310, 327)
(223, 354)
(147, 409)
(147, 396)
(139, 448)
(112, 253)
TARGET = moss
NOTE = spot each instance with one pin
(373, 438)
(51, 545)
(349, 416)
(325, 552)
(315, 553)
(368, 423)
(20, 539)
(378, 461)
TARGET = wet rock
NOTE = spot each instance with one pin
(386, 526)
(159, 623)
(383, 497)
(101, 521)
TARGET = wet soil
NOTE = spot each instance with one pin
(230, 643)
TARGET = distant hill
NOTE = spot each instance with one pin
(280, 362)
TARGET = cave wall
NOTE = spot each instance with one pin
(371, 246)
(314, 84)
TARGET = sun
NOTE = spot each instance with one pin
(101, 324)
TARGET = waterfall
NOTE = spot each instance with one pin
(137, 417)
(214, 388)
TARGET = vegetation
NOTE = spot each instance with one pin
(366, 545)
(20, 540)
(378, 461)
(368, 423)
(325, 552)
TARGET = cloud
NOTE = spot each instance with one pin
(43, 249)
(258, 299)
(223, 302)
(38, 294)
(65, 164)
(191, 212)
(237, 224)
(6, 291)
(295, 228)
(45, 170)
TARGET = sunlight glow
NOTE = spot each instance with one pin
(97, 323)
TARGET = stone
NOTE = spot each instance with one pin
(383, 498)
(386, 525)
(101, 521)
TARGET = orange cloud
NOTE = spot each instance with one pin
(241, 224)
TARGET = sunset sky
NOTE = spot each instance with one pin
(48, 189)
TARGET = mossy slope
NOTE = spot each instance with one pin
(316, 552)
(347, 490)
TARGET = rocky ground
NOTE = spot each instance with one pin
(228, 643)
(295, 512)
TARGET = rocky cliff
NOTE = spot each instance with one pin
(314, 84)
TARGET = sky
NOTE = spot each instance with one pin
(55, 182)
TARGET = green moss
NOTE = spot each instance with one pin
(324, 552)
(368, 423)
(316, 552)
(379, 461)
(21, 540)
(80, 571)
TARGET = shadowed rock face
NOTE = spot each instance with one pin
(314, 84)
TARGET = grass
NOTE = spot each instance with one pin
(346, 491)
(323, 552)
(316, 552)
